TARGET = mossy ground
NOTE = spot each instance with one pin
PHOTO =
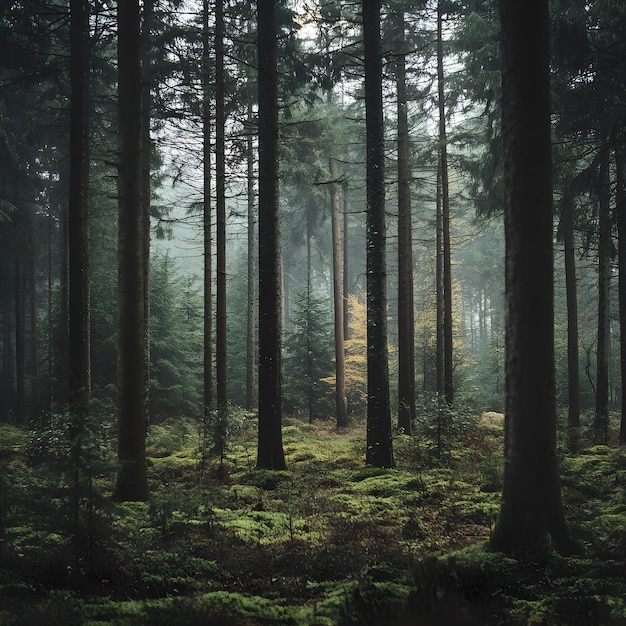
(329, 541)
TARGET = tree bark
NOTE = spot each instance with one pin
(251, 296)
(448, 384)
(620, 164)
(406, 321)
(379, 441)
(604, 280)
(338, 299)
(79, 311)
(531, 507)
(132, 481)
(573, 377)
(270, 454)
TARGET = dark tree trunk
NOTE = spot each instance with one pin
(220, 181)
(251, 297)
(406, 323)
(338, 299)
(448, 385)
(270, 454)
(531, 499)
(20, 339)
(208, 269)
(132, 482)
(604, 279)
(146, 167)
(379, 441)
(79, 312)
(346, 263)
(573, 377)
(620, 164)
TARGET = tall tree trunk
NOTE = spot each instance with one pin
(573, 377)
(448, 385)
(379, 441)
(220, 188)
(132, 480)
(309, 342)
(439, 338)
(346, 262)
(270, 454)
(251, 296)
(406, 323)
(146, 168)
(604, 278)
(34, 343)
(206, 220)
(531, 499)
(620, 165)
(79, 312)
(338, 299)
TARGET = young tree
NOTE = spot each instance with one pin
(531, 507)
(132, 480)
(379, 441)
(270, 454)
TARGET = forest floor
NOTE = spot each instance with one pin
(330, 541)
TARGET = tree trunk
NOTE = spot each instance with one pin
(206, 220)
(604, 279)
(20, 339)
(146, 167)
(346, 263)
(79, 312)
(379, 441)
(251, 297)
(531, 499)
(338, 299)
(448, 385)
(620, 164)
(573, 378)
(406, 323)
(270, 454)
(132, 482)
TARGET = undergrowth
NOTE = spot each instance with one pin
(330, 541)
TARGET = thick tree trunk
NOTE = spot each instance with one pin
(251, 296)
(531, 500)
(132, 481)
(379, 441)
(620, 165)
(406, 323)
(79, 311)
(270, 454)
(604, 279)
(573, 377)
(338, 299)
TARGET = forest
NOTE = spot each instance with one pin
(312, 312)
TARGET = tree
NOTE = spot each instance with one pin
(270, 454)
(379, 441)
(531, 507)
(406, 321)
(620, 164)
(132, 479)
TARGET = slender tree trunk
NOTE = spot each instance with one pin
(379, 441)
(220, 188)
(270, 454)
(620, 165)
(132, 480)
(448, 386)
(20, 339)
(309, 343)
(34, 343)
(531, 499)
(439, 339)
(406, 322)
(346, 262)
(604, 278)
(251, 297)
(573, 377)
(208, 270)
(338, 299)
